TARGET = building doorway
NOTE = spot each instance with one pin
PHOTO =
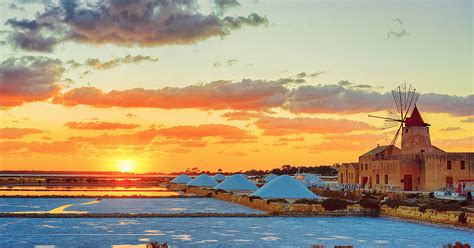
(407, 183)
(449, 182)
(364, 181)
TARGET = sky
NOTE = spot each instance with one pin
(165, 85)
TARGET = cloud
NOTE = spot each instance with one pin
(241, 115)
(397, 34)
(274, 126)
(178, 150)
(17, 133)
(456, 144)
(347, 142)
(443, 103)
(469, 120)
(57, 147)
(310, 75)
(104, 65)
(333, 99)
(227, 63)
(28, 79)
(126, 23)
(393, 34)
(99, 125)
(291, 139)
(133, 139)
(183, 143)
(448, 129)
(224, 5)
(244, 95)
(222, 131)
(184, 136)
(340, 99)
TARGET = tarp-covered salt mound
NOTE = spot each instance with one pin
(219, 177)
(237, 182)
(202, 180)
(285, 187)
(182, 179)
(312, 180)
(270, 177)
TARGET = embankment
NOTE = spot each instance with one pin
(452, 218)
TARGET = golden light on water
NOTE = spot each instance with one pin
(126, 165)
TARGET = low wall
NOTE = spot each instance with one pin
(279, 208)
(455, 218)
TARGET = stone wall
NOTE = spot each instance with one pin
(455, 218)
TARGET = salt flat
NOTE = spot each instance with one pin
(219, 232)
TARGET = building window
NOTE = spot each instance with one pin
(463, 165)
(377, 179)
(342, 178)
(449, 165)
(365, 166)
(386, 179)
(419, 180)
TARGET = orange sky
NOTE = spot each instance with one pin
(247, 86)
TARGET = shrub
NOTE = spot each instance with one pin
(369, 203)
(277, 200)
(431, 195)
(220, 191)
(463, 203)
(307, 201)
(252, 197)
(442, 207)
(462, 218)
(331, 204)
(412, 196)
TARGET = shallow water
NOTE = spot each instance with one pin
(220, 232)
(123, 205)
(82, 188)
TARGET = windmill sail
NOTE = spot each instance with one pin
(405, 101)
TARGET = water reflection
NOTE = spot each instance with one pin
(61, 209)
(89, 193)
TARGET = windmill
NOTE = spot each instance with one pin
(405, 101)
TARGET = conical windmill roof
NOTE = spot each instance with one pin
(415, 119)
(236, 182)
(203, 180)
(284, 187)
(219, 177)
(182, 179)
(270, 177)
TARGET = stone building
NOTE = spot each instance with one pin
(417, 166)
(348, 173)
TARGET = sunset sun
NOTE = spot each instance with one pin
(126, 165)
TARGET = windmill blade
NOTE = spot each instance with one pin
(403, 97)
(392, 115)
(412, 101)
(389, 124)
(395, 138)
(396, 93)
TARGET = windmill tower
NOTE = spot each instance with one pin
(416, 134)
(414, 131)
